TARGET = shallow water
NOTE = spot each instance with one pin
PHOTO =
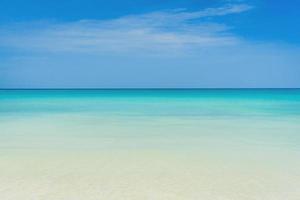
(150, 144)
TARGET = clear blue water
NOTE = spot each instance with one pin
(193, 102)
(175, 144)
(261, 115)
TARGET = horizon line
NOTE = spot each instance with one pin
(156, 88)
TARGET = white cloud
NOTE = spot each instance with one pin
(164, 31)
(115, 53)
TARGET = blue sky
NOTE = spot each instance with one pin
(157, 43)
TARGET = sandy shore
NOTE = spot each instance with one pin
(144, 175)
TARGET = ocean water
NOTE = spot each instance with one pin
(219, 144)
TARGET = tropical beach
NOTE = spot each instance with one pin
(149, 100)
(150, 144)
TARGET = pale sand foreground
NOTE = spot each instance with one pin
(58, 158)
(147, 175)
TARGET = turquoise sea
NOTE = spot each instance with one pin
(189, 144)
